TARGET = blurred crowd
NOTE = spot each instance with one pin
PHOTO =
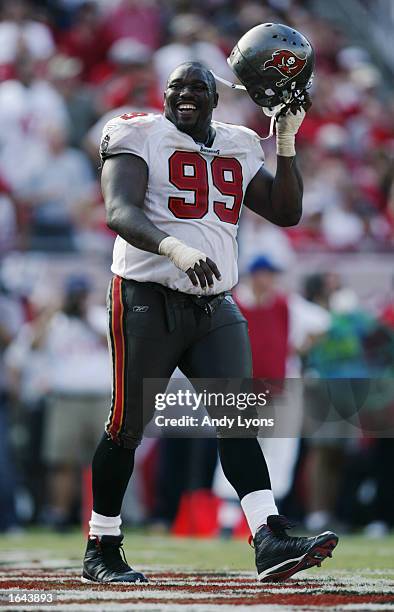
(65, 64)
(66, 67)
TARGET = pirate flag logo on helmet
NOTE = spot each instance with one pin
(287, 63)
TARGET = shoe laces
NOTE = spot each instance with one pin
(277, 524)
(115, 557)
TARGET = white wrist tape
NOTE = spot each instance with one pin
(287, 127)
(183, 256)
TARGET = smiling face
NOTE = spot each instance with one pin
(190, 98)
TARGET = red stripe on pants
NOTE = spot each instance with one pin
(119, 358)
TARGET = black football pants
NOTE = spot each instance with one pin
(152, 330)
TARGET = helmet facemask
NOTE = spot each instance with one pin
(285, 100)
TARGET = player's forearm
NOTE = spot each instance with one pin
(132, 224)
(286, 193)
(287, 188)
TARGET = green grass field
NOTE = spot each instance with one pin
(354, 552)
(194, 575)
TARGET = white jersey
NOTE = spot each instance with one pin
(194, 193)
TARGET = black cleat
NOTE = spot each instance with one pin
(103, 562)
(279, 556)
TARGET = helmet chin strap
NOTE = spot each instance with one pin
(228, 83)
(269, 111)
(272, 124)
(273, 113)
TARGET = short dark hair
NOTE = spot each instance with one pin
(210, 78)
(314, 287)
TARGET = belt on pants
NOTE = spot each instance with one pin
(208, 303)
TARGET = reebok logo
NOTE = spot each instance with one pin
(140, 308)
(209, 151)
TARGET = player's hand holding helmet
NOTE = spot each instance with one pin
(288, 122)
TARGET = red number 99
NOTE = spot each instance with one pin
(188, 172)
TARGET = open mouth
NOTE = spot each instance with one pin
(186, 110)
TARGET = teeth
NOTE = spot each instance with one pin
(187, 107)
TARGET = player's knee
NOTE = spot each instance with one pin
(130, 442)
(127, 441)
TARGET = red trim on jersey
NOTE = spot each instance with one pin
(118, 349)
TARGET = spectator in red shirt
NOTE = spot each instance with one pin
(138, 19)
(267, 313)
(87, 39)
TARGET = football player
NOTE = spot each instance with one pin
(173, 186)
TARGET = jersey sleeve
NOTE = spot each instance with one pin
(125, 134)
(255, 155)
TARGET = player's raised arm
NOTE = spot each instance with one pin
(275, 65)
(279, 198)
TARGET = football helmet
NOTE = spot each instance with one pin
(275, 64)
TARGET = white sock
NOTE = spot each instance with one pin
(257, 506)
(104, 525)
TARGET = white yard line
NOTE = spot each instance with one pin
(173, 607)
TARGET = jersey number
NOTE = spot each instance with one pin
(127, 116)
(189, 172)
